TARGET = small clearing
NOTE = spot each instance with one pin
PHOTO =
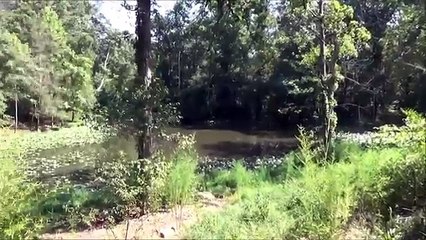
(160, 225)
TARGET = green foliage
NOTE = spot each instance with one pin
(410, 136)
(344, 150)
(75, 208)
(15, 68)
(257, 216)
(319, 201)
(182, 178)
(136, 183)
(229, 181)
(45, 67)
(19, 218)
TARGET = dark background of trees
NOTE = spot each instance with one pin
(240, 63)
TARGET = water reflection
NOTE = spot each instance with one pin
(77, 164)
(223, 143)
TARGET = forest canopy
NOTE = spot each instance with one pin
(257, 60)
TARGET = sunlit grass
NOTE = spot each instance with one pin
(315, 203)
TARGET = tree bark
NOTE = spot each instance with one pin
(323, 74)
(329, 84)
(143, 46)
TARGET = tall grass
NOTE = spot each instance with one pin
(181, 181)
(317, 204)
(317, 199)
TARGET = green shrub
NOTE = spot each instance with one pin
(344, 151)
(225, 182)
(137, 183)
(19, 218)
(411, 136)
(75, 207)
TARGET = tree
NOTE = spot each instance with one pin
(404, 56)
(15, 71)
(144, 76)
(62, 48)
(338, 37)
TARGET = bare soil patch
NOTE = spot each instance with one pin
(160, 225)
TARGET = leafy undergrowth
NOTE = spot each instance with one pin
(29, 203)
(104, 184)
(18, 218)
(382, 184)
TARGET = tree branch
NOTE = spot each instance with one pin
(104, 67)
(128, 7)
(414, 66)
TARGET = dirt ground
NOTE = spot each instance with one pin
(162, 225)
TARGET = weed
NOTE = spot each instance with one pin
(182, 178)
(257, 216)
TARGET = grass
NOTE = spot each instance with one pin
(316, 203)
(181, 182)
(18, 218)
(303, 198)
(30, 196)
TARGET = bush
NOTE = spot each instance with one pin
(137, 183)
(76, 207)
(315, 204)
(226, 182)
(19, 218)
(146, 184)
(412, 135)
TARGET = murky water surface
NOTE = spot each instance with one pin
(76, 163)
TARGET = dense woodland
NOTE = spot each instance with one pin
(218, 61)
(110, 95)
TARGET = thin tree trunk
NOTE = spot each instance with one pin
(323, 77)
(143, 46)
(32, 118)
(179, 80)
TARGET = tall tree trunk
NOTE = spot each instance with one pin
(329, 85)
(323, 76)
(179, 74)
(143, 46)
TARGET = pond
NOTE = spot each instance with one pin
(76, 163)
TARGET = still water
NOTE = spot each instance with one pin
(76, 163)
